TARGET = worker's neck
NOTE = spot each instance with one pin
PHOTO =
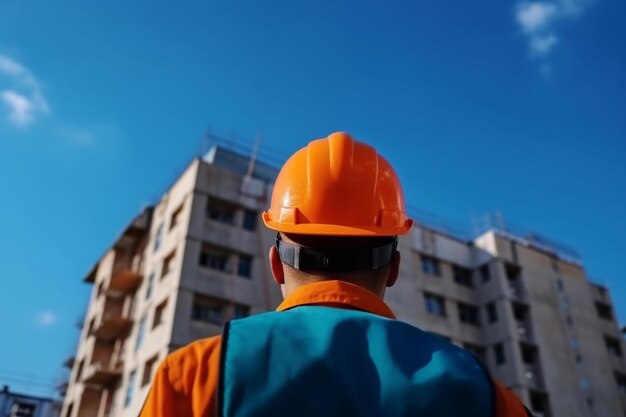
(293, 283)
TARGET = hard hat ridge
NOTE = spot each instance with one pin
(338, 186)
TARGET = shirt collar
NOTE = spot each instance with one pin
(337, 293)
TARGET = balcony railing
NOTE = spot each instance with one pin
(112, 327)
(102, 374)
(125, 280)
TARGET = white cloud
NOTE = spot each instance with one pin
(533, 17)
(22, 109)
(543, 44)
(46, 318)
(24, 99)
(537, 19)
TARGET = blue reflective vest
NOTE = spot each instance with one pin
(323, 361)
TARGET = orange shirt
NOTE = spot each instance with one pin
(186, 381)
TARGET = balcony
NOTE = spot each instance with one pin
(69, 362)
(124, 281)
(112, 327)
(101, 374)
(524, 332)
(62, 388)
(533, 377)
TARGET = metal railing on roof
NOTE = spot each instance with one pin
(495, 222)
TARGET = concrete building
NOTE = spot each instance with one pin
(13, 404)
(521, 304)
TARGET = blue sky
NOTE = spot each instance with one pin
(481, 106)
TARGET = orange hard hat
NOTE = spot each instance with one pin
(337, 186)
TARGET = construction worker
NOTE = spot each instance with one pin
(333, 347)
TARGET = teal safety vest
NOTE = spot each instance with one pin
(323, 361)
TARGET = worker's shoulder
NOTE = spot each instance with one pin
(200, 353)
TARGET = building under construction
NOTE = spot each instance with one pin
(521, 303)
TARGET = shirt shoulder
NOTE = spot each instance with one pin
(195, 364)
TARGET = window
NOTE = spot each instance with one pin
(129, 389)
(584, 383)
(240, 311)
(249, 219)
(158, 238)
(208, 309)
(485, 273)
(539, 403)
(573, 342)
(430, 265)
(569, 321)
(559, 285)
(79, 371)
(620, 380)
(147, 370)
(167, 264)
(435, 304)
(468, 314)
(479, 352)
(213, 257)
(604, 310)
(221, 210)
(579, 360)
(498, 351)
(158, 313)
(590, 403)
(529, 354)
(462, 276)
(149, 286)
(492, 312)
(176, 216)
(140, 332)
(244, 266)
(22, 410)
(613, 346)
(512, 271)
(564, 303)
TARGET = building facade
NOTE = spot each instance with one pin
(13, 404)
(198, 258)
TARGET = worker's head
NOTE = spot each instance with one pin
(338, 208)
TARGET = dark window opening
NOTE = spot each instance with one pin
(529, 354)
(176, 217)
(435, 304)
(462, 276)
(620, 380)
(214, 258)
(250, 219)
(468, 314)
(498, 351)
(604, 310)
(539, 403)
(221, 210)
(430, 265)
(159, 311)
(492, 312)
(479, 352)
(244, 266)
(485, 273)
(613, 346)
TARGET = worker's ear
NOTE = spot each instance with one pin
(394, 269)
(276, 266)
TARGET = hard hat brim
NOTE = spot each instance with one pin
(336, 230)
